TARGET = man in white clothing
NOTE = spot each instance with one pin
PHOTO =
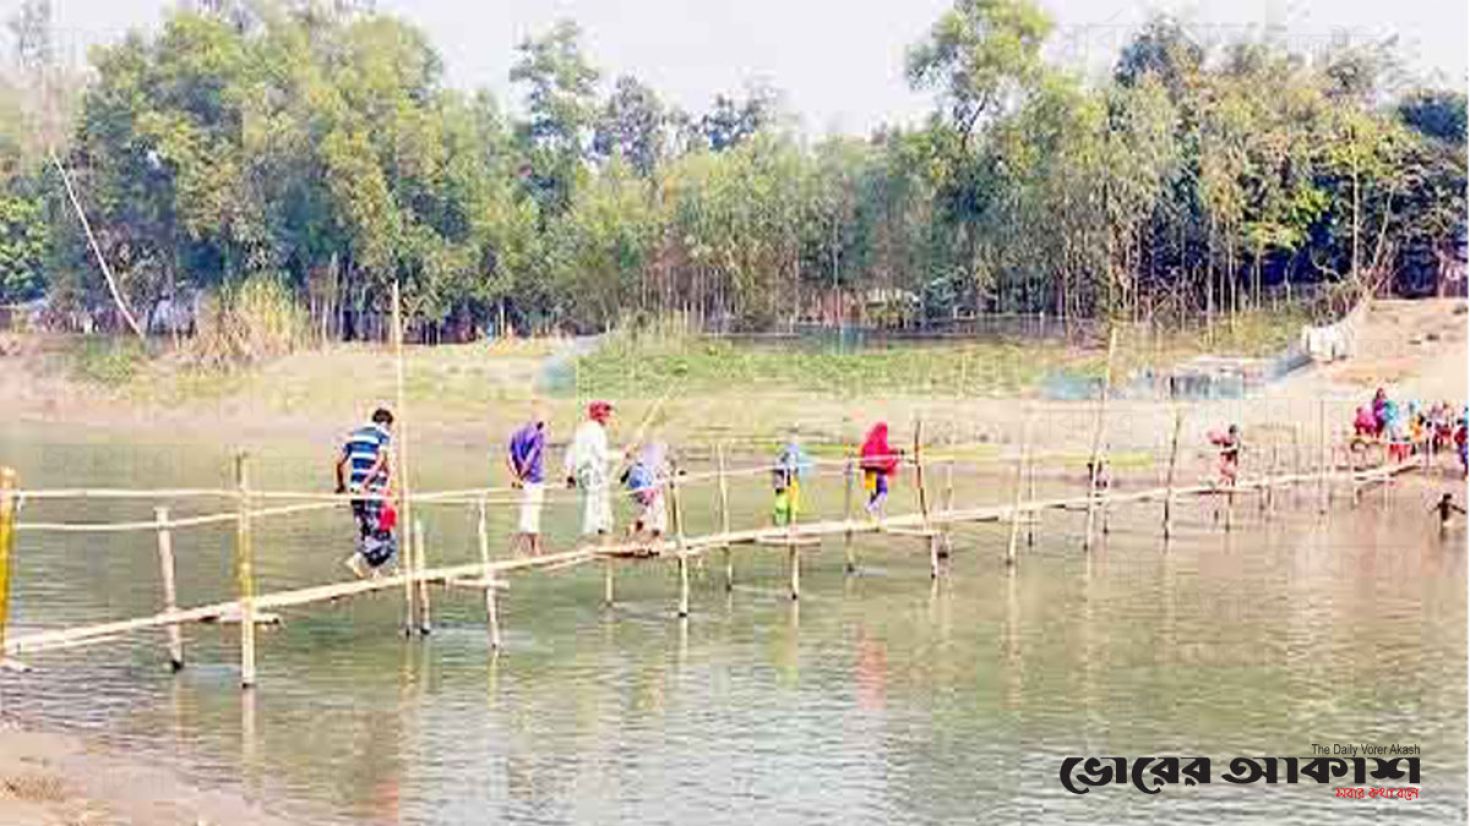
(588, 467)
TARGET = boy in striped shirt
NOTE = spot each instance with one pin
(363, 467)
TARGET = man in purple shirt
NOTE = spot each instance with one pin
(526, 459)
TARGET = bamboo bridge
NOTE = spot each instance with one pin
(930, 525)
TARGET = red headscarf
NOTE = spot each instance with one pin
(599, 411)
(877, 455)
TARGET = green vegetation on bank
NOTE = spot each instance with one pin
(314, 150)
(631, 364)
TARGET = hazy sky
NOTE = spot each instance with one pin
(839, 62)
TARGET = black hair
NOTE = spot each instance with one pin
(382, 416)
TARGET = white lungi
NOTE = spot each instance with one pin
(533, 494)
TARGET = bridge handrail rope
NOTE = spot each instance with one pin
(492, 495)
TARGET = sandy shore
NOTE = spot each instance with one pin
(51, 779)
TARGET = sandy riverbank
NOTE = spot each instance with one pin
(51, 779)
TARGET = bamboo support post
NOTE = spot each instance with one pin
(245, 572)
(421, 565)
(849, 473)
(1268, 490)
(607, 579)
(679, 544)
(1035, 518)
(1021, 462)
(1097, 435)
(1173, 470)
(1296, 464)
(1322, 457)
(492, 612)
(947, 538)
(400, 443)
(1353, 477)
(793, 562)
(170, 592)
(931, 538)
(8, 507)
(725, 515)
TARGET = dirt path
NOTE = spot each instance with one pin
(1414, 349)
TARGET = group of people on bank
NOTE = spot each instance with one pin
(643, 469)
(1410, 428)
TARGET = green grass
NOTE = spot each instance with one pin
(631, 366)
(112, 362)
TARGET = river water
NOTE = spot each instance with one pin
(878, 698)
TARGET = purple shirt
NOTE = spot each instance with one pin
(527, 452)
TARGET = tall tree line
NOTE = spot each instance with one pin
(316, 145)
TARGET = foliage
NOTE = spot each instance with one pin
(315, 147)
(248, 323)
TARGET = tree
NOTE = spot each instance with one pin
(981, 55)
(632, 126)
(561, 103)
(731, 122)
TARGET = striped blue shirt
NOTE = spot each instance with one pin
(362, 449)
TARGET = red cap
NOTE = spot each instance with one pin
(599, 410)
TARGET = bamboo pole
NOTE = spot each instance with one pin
(97, 249)
(725, 515)
(7, 544)
(487, 574)
(792, 553)
(849, 473)
(170, 593)
(420, 565)
(245, 573)
(1034, 518)
(1173, 470)
(947, 546)
(1322, 491)
(607, 579)
(931, 537)
(1296, 463)
(679, 544)
(400, 443)
(1021, 462)
(1353, 476)
(793, 561)
(1097, 434)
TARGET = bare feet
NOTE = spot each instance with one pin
(354, 564)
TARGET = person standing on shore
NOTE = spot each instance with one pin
(363, 468)
(526, 459)
(587, 467)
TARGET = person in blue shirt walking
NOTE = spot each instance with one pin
(526, 459)
(363, 468)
